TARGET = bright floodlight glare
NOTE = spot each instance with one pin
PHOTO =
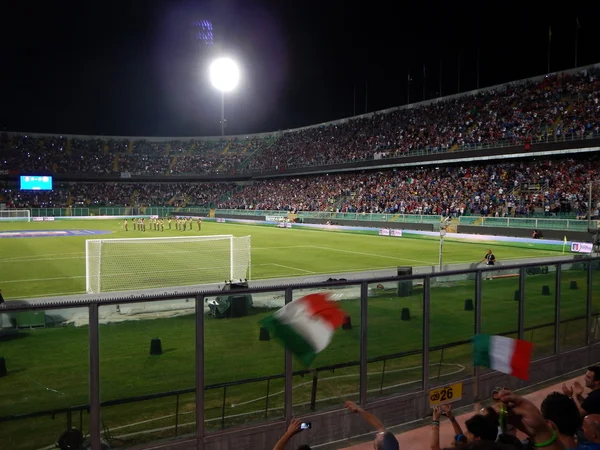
(224, 74)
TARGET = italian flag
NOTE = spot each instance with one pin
(306, 325)
(506, 355)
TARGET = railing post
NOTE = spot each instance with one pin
(382, 376)
(426, 318)
(588, 306)
(364, 295)
(521, 321)
(223, 407)
(267, 398)
(94, 353)
(557, 311)
(176, 414)
(288, 386)
(477, 328)
(313, 392)
(200, 372)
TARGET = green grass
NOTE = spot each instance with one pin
(33, 267)
(48, 368)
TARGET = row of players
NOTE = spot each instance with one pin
(158, 224)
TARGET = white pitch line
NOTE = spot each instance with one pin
(44, 255)
(372, 254)
(42, 279)
(31, 260)
(276, 248)
(49, 295)
(289, 267)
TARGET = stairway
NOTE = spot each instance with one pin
(130, 147)
(478, 222)
(168, 148)
(172, 163)
(69, 146)
(106, 149)
(268, 143)
(452, 226)
(133, 197)
(226, 149)
(248, 145)
(116, 163)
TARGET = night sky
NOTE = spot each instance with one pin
(136, 68)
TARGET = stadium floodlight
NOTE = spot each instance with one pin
(224, 76)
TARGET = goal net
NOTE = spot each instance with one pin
(15, 215)
(147, 263)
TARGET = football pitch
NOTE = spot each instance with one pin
(45, 266)
(48, 367)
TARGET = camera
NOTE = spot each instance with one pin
(305, 425)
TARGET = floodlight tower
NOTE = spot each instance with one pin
(224, 76)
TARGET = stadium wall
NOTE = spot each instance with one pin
(555, 235)
(372, 224)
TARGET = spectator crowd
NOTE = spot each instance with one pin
(564, 106)
(565, 420)
(520, 188)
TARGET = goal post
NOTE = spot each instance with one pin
(15, 215)
(146, 263)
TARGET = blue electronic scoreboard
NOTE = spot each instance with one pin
(36, 183)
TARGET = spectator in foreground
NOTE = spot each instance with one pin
(482, 427)
(459, 440)
(591, 403)
(293, 429)
(529, 420)
(591, 431)
(562, 415)
(385, 440)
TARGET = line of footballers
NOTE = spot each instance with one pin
(158, 224)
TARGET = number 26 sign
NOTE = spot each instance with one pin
(446, 394)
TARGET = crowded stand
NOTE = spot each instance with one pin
(59, 155)
(564, 106)
(116, 194)
(559, 186)
(553, 187)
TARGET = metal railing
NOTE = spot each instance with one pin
(583, 268)
(523, 222)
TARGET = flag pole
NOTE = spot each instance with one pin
(441, 72)
(577, 27)
(424, 82)
(549, 42)
(458, 72)
(366, 95)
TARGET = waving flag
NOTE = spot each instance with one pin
(306, 325)
(506, 355)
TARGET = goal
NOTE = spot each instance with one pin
(131, 264)
(15, 215)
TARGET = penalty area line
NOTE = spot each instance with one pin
(288, 267)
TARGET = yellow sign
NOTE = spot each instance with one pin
(446, 394)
